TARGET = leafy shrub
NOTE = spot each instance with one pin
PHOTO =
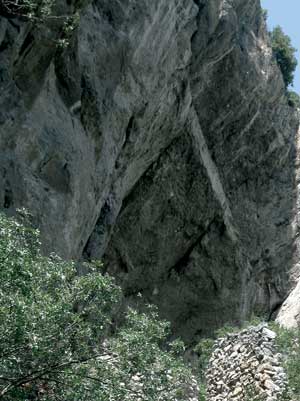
(202, 392)
(53, 333)
(203, 349)
(230, 328)
(28, 9)
(39, 12)
(284, 53)
(293, 99)
(288, 341)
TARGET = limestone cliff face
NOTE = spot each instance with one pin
(161, 142)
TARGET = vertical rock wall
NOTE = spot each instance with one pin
(160, 141)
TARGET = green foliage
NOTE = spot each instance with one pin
(31, 9)
(202, 392)
(39, 12)
(54, 325)
(284, 53)
(226, 329)
(230, 329)
(288, 341)
(293, 99)
(204, 349)
(69, 26)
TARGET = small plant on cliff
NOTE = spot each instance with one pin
(27, 9)
(39, 12)
(284, 53)
(54, 326)
(293, 99)
(203, 350)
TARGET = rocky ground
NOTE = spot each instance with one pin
(246, 366)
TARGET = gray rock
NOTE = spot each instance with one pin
(246, 376)
(160, 141)
(289, 314)
(270, 334)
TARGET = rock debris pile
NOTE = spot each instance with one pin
(246, 366)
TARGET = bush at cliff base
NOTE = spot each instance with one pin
(288, 342)
(53, 333)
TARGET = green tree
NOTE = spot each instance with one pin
(293, 99)
(54, 333)
(284, 53)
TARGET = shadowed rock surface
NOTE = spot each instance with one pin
(160, 141)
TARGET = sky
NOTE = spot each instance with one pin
(286, 13)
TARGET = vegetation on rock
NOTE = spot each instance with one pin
(39, 12)
(29, 9)
(54, 333)
(284, 53)
(288, 341)
(293, 99)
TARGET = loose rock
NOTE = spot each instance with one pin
(244, 365)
